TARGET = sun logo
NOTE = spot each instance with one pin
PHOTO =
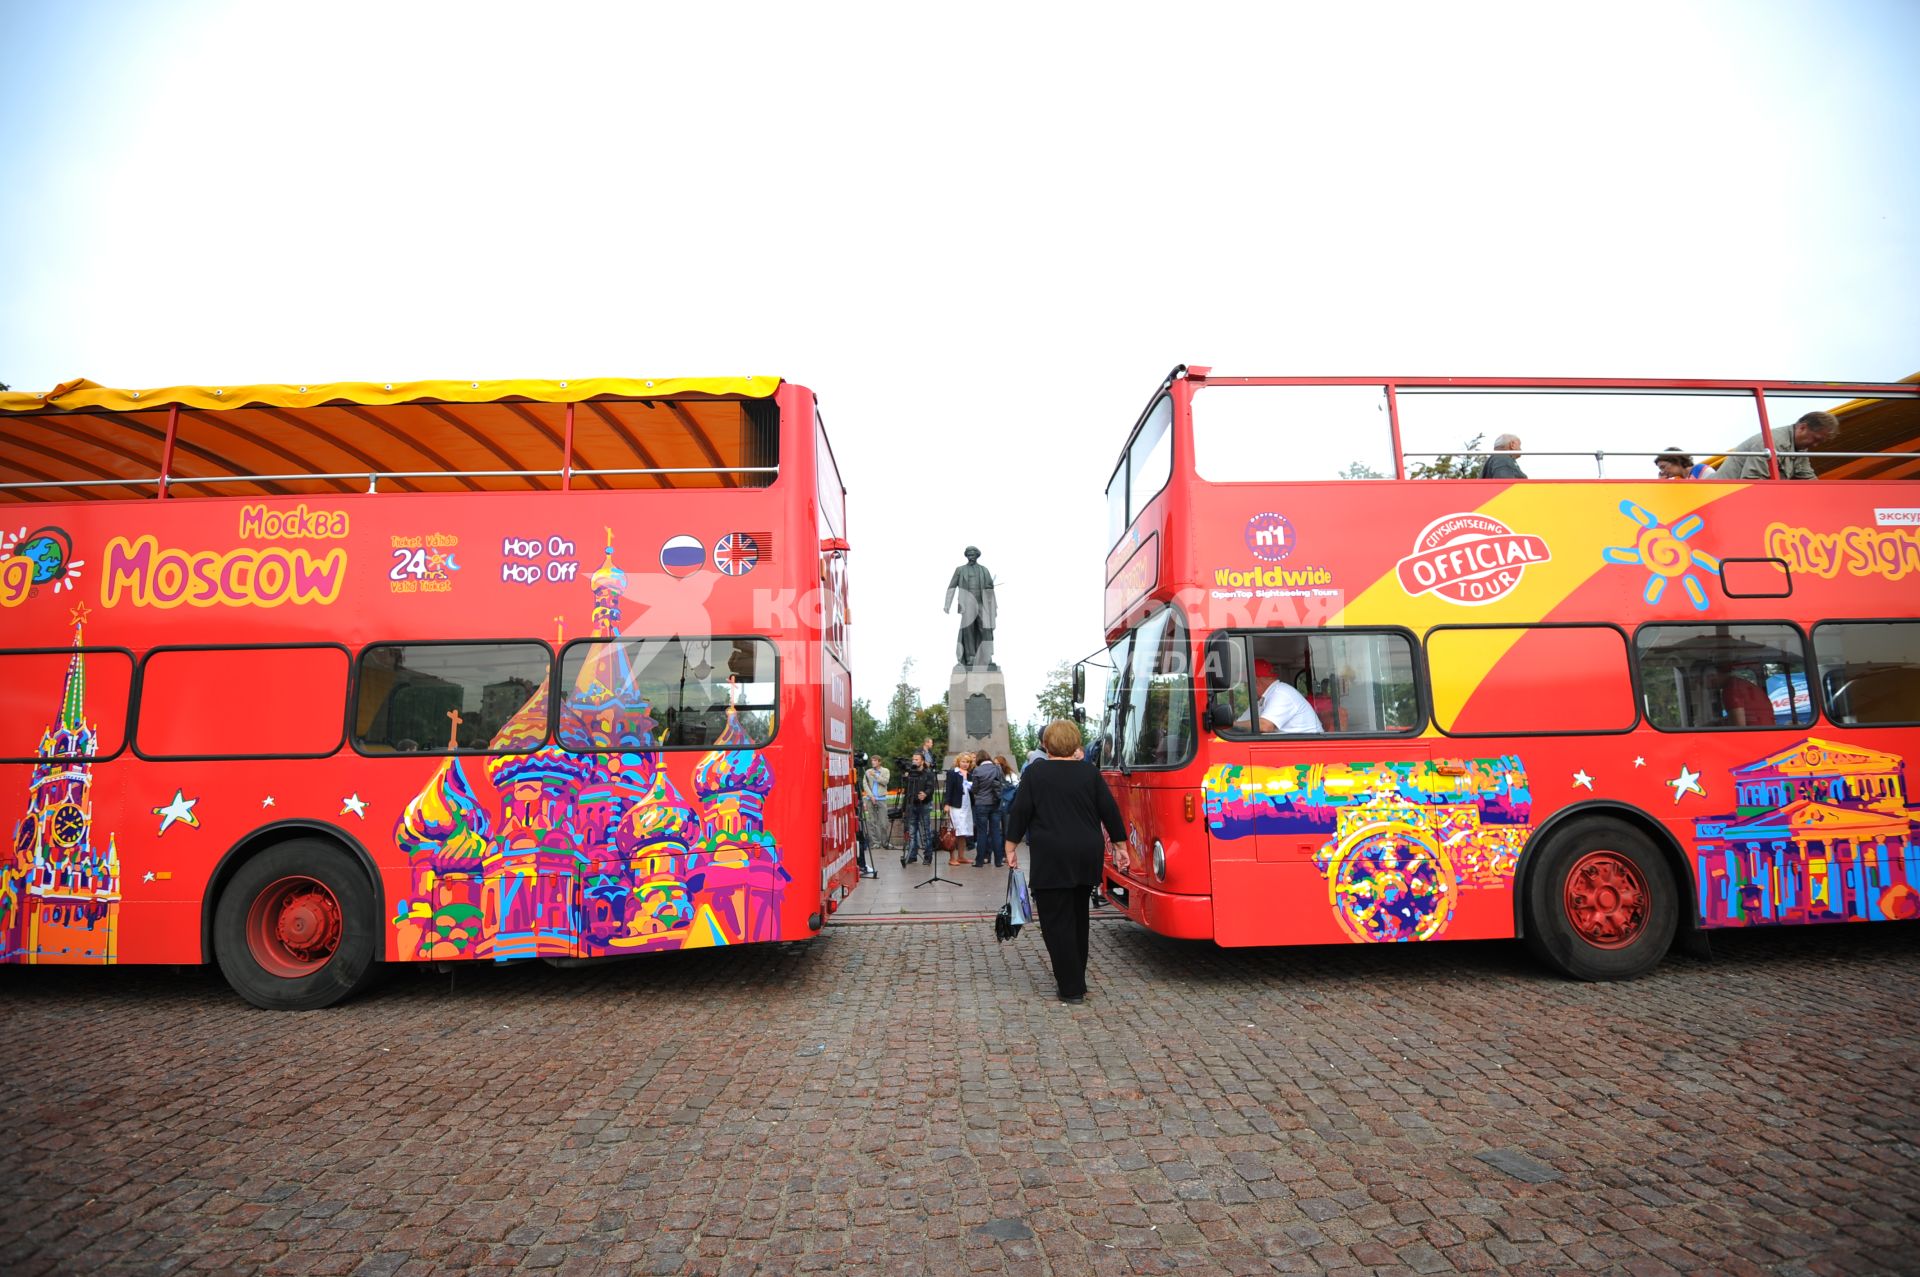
(1664, 554)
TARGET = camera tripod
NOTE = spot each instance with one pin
(951, 882)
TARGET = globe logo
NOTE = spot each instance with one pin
(1269, 537)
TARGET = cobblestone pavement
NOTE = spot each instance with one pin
(901, 1099)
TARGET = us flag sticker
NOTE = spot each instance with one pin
(736, 553)
(682, 555)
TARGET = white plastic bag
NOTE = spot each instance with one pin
(1019, 899)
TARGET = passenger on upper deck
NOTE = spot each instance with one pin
(1281, 708)
(1811, 433)
(1503, 462)
(1674, 464)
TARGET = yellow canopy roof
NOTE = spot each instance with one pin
(81, 394)
(80, 441)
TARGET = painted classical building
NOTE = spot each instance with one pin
(1822, 833)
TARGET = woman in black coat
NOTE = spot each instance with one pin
(1066, 814)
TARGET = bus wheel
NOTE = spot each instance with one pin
(294, 929)
(1601, 903)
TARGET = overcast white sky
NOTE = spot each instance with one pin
(981, 233)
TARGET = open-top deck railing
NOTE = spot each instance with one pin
(183, 450)
(1879, 420)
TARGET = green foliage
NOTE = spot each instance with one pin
(931, 722)
(1361, 470)
(866, 729)
(907, 724)
(1056, 694)
(1449, 466)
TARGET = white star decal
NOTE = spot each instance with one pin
(1639, 762)
(180, 809)
(1688, 783)
(1583, 781)
(148, 877)
(267, 801)
(354, 804)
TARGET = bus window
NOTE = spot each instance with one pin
(1267, 434)
(1150, 458)
(433, 698)
(1352, 682)
(292, 698)
(70, 704)
(1157, 728)
(1869, 671)
(1109, 751)
(652, 693)
(1143, 471)
(1708, 677)
(1502, 680)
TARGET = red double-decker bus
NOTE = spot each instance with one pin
(1593, 708)
(305, 679)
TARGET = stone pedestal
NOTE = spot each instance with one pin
(977, 714)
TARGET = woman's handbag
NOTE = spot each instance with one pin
(947, 839)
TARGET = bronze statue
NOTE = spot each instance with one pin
(977, 611)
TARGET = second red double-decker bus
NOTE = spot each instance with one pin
(1593, 708)
(305, 679)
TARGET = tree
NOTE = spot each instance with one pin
(907, 722)
(866, 730)
(1056, 694)
(1448, 466)
(929, 724)
(1361, 470)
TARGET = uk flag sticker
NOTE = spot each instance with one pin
(736, 553)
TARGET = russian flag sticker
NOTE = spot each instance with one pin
(682, 555)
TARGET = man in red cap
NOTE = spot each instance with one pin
(1281, 708)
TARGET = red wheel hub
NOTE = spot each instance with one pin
(294, 927)
(1607, 900)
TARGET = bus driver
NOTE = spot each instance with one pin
(1282, 709)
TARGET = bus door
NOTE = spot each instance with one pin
(1314, 833)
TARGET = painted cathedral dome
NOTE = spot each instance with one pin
(445, 818)
(736, 771)
(662, 824)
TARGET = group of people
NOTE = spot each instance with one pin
(1812, 433)
(1059, 807)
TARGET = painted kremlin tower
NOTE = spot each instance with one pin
(59, 891)
(586, 847)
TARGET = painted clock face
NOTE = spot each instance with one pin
(66, 824)
(23, 836)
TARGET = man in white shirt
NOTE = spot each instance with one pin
(1281, 708)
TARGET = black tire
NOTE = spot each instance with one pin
(1620, 917)
(297, 927)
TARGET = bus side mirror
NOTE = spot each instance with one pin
(1079, 716)
(1219, 715)
(1079, 684)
